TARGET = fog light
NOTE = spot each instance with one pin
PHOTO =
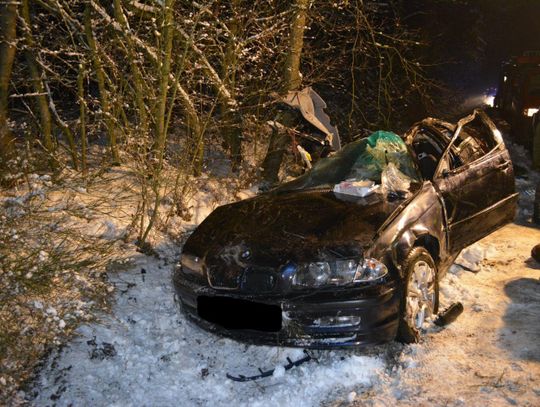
(191, 264)
(336, 321)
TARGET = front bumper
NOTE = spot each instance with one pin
(342, 317)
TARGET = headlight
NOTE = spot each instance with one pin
(531, 112)
(312, 275)
(191, 264)
(371, 269)
(339, 272)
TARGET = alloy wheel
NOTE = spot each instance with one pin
(420, 294)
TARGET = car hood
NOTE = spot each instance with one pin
(273, 229)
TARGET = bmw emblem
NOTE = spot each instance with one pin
(246, 254)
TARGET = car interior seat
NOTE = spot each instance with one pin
(427, 156)
(428, 165)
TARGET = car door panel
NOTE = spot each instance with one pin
(466, 231)
(478, 197)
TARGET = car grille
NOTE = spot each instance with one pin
(233, 313)
(255, 280)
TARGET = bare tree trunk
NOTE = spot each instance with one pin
(293, 77)
(161, 110)
(135, 71)
(232, 130)
(64, 128)
(82, 117)
(37, 82)
(8, 37)
(292, 81)
(100, 75)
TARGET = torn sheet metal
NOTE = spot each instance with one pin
(312, 106)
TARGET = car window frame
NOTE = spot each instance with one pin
(440, 172)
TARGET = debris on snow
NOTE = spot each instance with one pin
(449, 315)
(471, 258)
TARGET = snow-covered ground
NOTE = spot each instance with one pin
(146, 352)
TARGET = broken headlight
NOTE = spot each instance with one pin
(191, 264)
(338, 272)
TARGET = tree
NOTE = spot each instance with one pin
(8, 39)
(292, 74)
(232, 130)
(37, 83)
(161, 109)
(103, 91)
(292, 81)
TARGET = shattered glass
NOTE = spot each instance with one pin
(394, 181)
(381, 149)
(362, 160)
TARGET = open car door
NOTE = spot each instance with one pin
(475, 179)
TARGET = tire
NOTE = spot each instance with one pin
(413, 313)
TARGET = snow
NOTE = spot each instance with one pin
(279, 372)
(147, 353)
(471, 257)
(43, 256)
(107, 229)
(160, 358)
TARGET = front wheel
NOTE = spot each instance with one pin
(420, 298)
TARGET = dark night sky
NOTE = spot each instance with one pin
(473, 37)
(514, 30)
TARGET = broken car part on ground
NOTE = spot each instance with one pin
(353, 251)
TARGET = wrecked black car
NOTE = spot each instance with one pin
(351, 252)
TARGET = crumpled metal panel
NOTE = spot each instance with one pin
(312, 106)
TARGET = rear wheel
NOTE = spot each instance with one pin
(420, 298)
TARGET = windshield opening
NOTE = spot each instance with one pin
(362, 160)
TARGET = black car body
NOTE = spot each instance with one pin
(304, 265)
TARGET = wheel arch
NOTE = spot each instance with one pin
(411, 239)
(431, 244)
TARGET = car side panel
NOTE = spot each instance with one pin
(478, 198)
(420, 222)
